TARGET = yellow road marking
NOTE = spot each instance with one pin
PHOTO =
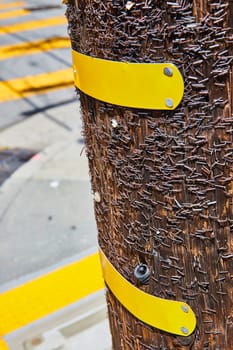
(49, 293)
(3, 345)
(33, 47)
(35, 84)
(12, 5)
(16, 13)
(30, 25)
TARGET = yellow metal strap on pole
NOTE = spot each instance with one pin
(156, 86)
(171, 316)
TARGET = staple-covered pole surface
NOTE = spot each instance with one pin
(163, 180)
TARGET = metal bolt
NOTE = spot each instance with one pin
(97, 197)
(185, 308)
(168, 71)
(142, 273)
(184, 330)
(169, 102)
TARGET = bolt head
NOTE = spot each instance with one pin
(169, 102)
(185, 308)
(184, 330)
(168, 71)
(142, 269)
(142, 273)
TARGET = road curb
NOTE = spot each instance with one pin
(14, 184)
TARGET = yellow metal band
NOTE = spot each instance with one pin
(156, 86)
(171, 316)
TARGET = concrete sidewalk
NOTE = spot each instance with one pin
(46, 211)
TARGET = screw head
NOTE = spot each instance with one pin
(185, 308)
(184, 330)
(168, 72)
(169, 102)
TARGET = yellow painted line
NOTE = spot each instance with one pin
(42, 296)
(33, 47)
(31, 25)
(35, 84)
(3, 345)
(12, 5)
(16, 13)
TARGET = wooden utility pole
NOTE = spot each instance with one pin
(163, 180)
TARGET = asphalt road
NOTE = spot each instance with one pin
(46, 208)
(42, 225)
(35, 73)
(35, 59)
(11, 160)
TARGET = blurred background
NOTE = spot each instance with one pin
(46, 204)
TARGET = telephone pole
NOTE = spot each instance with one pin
(162, 178)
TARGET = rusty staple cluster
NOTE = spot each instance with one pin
(165, 178)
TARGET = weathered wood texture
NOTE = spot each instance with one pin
(165, 178)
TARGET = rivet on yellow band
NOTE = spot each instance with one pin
(171, 316)
(156, 86)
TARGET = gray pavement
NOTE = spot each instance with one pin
(80, 326)
(46, 206)
(46, 209)
(46, 221)
(50, 214)
(52, 61)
